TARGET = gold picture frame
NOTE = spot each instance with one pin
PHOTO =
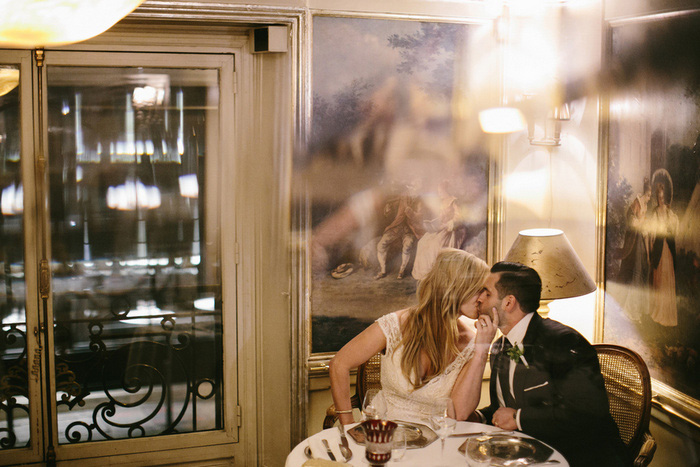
(351, 163)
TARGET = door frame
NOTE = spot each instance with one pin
(34, 451)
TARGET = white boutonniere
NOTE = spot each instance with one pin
(515, 353)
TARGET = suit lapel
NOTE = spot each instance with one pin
(529, 341)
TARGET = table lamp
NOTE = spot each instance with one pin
(549, 252)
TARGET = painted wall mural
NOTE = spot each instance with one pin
(386, 182)
(652, 255)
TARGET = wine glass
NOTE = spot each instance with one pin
(374, 405)
(444, 420)
(399, 445)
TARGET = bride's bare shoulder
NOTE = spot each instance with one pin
(402, 315)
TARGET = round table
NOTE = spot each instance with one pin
(429, 455)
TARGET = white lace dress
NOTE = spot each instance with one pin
(404, 402)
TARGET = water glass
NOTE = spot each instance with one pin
(399, 445)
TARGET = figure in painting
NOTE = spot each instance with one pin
(405, 228)
(634, 266)
(663, 254)
(441, 231)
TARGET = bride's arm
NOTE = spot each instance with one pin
(360, 349)
(467, 389)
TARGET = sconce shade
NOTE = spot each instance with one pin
(43, 23)
(502, 120)
(549, 252)
(561, 113)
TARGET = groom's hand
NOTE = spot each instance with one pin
(504, 418)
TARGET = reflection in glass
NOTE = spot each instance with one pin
(132, 258)
(14, 382)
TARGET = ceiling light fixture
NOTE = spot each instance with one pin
(42, 23)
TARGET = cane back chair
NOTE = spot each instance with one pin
(628, 385)
(368, 377)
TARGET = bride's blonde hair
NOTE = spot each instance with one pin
(431, 326)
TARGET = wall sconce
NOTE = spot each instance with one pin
(552, 127)
(549, 252)
(42, 23)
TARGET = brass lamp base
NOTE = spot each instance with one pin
(543, 310)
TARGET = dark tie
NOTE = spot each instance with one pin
(504, 373)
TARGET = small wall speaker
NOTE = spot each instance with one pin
(269, 39)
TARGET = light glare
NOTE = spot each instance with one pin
(502, 120)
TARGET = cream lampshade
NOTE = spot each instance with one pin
(43, 23)
(549, 252)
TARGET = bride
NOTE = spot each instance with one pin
(429, 350)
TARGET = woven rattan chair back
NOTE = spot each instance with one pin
(368, 377)
(628, 385)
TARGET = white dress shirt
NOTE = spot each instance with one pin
(515, 336)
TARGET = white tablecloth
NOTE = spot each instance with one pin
(427, 456)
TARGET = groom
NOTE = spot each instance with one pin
(545, 376)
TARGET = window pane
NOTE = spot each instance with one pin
(135, 258)
(14, 405)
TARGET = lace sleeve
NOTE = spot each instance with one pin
(391, 329)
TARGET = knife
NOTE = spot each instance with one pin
(479, 433)
(328, 449)
(463, 435)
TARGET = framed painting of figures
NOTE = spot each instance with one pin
(390, 175)
(652, 244)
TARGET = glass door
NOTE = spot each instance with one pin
(127, 237)
(134, 193)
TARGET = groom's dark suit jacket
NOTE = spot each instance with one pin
(562, 395)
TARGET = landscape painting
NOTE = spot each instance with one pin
(386, 182)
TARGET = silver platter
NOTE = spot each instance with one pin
(505, 449)
(417, 435)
